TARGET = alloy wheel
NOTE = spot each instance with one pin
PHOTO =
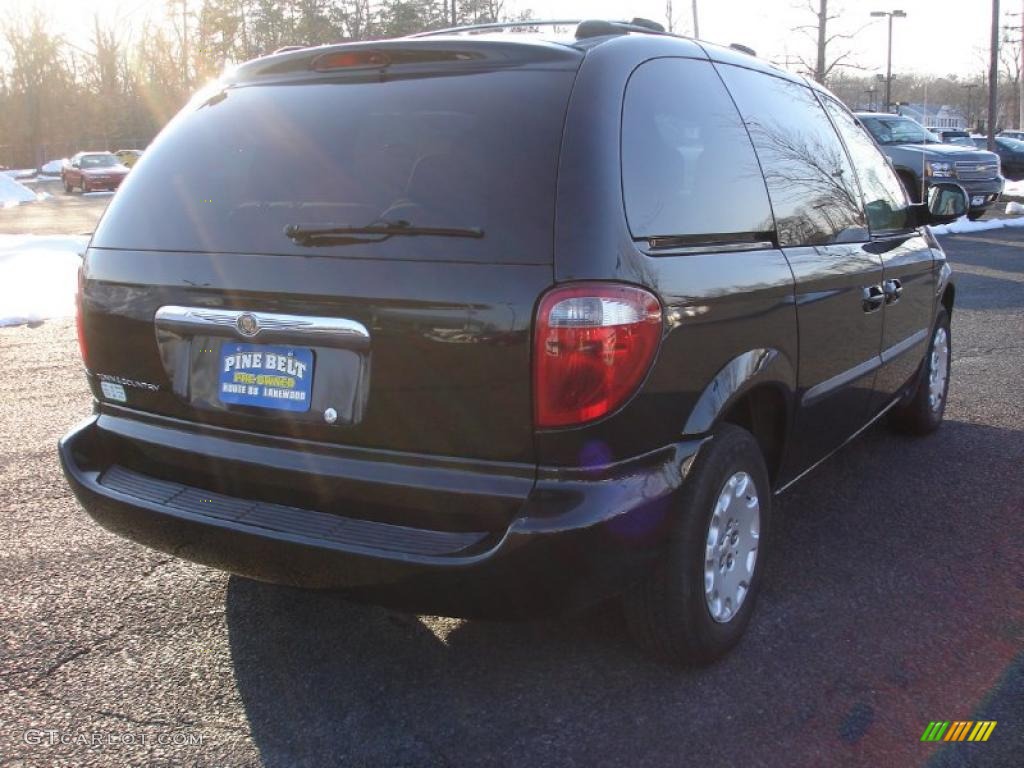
(731, 552)
(938, 369)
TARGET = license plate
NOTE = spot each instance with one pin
(264, 376)
(978, 200)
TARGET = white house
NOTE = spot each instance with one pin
(936, 116)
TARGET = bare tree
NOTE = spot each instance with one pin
(823, 64)
(40, 79)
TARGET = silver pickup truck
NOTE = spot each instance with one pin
(921, 159)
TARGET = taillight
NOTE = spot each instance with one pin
(593, 346)
(82, 346)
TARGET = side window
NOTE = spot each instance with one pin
(688, 169)
(810, 180)
(884, 198)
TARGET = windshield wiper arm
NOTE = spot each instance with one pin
(310, 234)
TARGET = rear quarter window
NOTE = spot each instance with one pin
(471, 150)
(688, 169)
(810, 179)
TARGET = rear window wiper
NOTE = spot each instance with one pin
(318, 234)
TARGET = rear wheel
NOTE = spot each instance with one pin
(923, 413)
(694, 607)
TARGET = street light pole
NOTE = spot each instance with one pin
(993, 77)
(888, 66)
(970, 104)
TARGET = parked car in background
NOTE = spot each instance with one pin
(1011, 154)
(1019, 135)
(128, 157)
(921, 160)
(601, 338)
(948, 136)
(93, 171)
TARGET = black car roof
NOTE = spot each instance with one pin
(884, 114)
(486, 45)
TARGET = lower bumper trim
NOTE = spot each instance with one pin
(331, 530)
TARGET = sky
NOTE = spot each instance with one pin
(938, 36)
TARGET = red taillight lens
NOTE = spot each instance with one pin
(329, 62)
(593, 345)
(82, 346)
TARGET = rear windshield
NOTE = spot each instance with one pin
(898, 130)
(98, 161)
(473, 151)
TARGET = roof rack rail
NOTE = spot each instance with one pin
(589, 27)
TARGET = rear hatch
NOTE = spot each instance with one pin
(343, 244)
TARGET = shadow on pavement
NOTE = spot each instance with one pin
(893, 597)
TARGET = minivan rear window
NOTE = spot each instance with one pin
(475, 150)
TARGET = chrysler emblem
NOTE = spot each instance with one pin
(247, 324)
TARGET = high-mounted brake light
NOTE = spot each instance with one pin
(329, 62)
(593, 346)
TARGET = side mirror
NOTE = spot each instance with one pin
(946, 202)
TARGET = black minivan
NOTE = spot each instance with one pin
(491, 326)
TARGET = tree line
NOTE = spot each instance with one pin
(118, 84)
(118, 88)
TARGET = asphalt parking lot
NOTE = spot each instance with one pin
(893, 598)
(60, 214)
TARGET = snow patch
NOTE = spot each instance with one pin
(52, 168)
(963, 225)
(12, 193)
(1014, 208)
(1013, 188)
(23, 173)
(38, 276)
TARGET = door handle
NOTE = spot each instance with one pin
(893, 290)
(872, 298)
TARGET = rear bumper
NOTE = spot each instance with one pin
(578, 536)
(95, 185)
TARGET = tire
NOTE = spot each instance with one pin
(84, 187)
(669, 614)
(68, 189)
(922, 414)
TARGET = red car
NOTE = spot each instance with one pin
(93, 171)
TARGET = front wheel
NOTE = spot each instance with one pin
(694, 607)
(924, 412)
